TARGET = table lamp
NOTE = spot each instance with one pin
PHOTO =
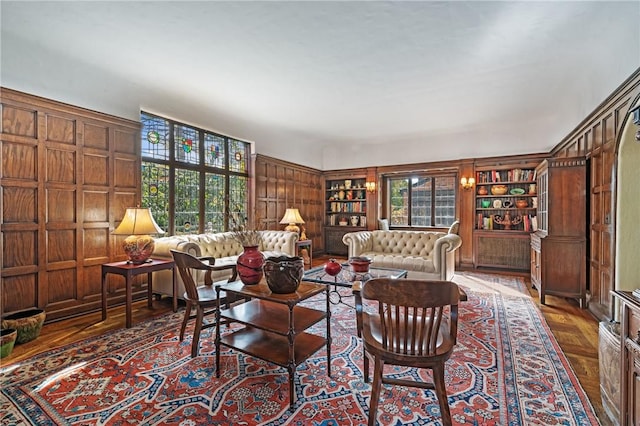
(138, 223)
(292, 218)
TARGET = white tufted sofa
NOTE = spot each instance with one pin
(424, 254)
(220, 245)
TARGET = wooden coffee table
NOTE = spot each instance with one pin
(275, 326)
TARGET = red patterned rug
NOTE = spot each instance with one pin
(507, 369)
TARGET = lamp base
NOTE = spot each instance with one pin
(138, 248)
(292, 227)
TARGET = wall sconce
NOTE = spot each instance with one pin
(467, 183)
(371, 186)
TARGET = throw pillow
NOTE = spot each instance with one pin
(383, 224)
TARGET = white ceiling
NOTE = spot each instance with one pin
(349, 84)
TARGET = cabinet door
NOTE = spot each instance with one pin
(333, 241)
(634, 389)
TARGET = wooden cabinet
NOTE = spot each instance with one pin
(275, 326)
(504, 214)
(559, 244)
(630, 358)
(345, 211)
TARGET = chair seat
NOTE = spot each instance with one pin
(206, 293)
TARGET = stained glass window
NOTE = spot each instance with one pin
(214, 150)
(214, 196)
(187, 141)
(238, 155)
(155, 192)
(187, 200)
(205, 174)
(155, 137)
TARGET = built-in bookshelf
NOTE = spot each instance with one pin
(345, 211)
(506, 200)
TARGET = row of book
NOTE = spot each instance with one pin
(513, 175)
(352, 207)
(335, 220)
(529, 223)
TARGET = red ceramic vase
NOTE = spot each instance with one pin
(332, 267)
(249, 265)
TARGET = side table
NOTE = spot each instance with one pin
(128, 271)
(304, 250)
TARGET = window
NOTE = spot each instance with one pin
(191, 177)
(422, 200)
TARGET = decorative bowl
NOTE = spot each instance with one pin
(27, 323)
(7, 340)
(522, 204)
(360, 264)
(283, 273)
(499, 189)
(485, 204)
(516, 191)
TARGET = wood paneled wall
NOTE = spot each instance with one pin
(68, 174)
(596, 138)
(278, 185)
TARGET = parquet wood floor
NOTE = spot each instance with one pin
(575, 329)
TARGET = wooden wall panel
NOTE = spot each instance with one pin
(19, 121)
(19, 204)
(601, 133)
(18, 291)
(19, 249)
(60, 200)
(60, 129)
(61, 205)
(96, 136)
(278, 185)
(25, 155)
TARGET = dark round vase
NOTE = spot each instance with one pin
(249, 265)
(283, 273)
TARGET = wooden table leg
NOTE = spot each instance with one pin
(175, 289)
(149, 290)
(104, 295)
(129, 299)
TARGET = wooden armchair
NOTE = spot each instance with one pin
(201, 297)
(415, 325)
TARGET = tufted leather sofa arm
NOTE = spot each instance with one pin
(164, 245)
(358, 242)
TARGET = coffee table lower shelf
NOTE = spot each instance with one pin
(273, 347)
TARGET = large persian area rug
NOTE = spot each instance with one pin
(507, 369)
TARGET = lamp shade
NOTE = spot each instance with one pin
(138, 223)
(292, 218)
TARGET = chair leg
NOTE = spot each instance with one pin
(196, 331)
(375, 390)
(185, 320)
(441, 394)
(366, 365)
